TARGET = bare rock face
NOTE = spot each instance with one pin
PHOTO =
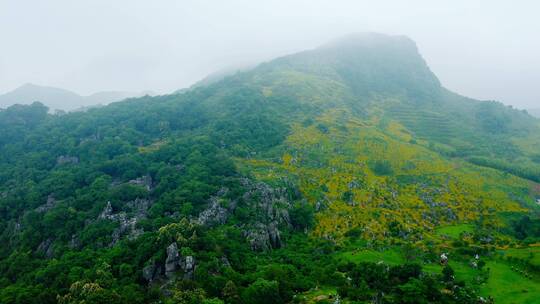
(51, 202)
(173, 260)
(127, 224)
(139, 207)
(75, 242)
(46, 248)
(143, 181)
(66, 159)
(216, 214)
(107, 213)
(272, 208)
(175, 263)
(152, 272)
(274, 235)
(258, 237)
(188, 266)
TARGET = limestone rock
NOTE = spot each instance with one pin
(214, 215)
(143, 181)
(107, 212)
(51, 202)
(46, 248)
(151, 272)
(65, 159)
(188, 266)
(172, 261)
(75, 242)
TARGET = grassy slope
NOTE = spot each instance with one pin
(504, 284)
(508, 286)
(340, 159)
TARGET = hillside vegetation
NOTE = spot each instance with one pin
(341, 174)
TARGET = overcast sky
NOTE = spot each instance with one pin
(483, 49)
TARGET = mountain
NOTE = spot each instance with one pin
(346, 173)
(60, 99)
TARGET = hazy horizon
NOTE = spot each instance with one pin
(484, 50)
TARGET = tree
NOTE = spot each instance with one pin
(230, 293)
(413, 292)
(448, 273)
(88, 293)
(302, 216)
(262, 292)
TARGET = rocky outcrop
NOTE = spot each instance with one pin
(139, 207)
(216, 214)
(66, 159)
(46, 248)
(127, 223)
(143, 181)
(151, 272)
(188, 266)
(74, 243)
(173, 260)
(263, 237)
(176, 266)
(51, 202)
(107, 212)
(271, 206)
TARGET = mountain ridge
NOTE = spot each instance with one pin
(61, 99)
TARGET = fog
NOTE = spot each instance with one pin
(481, 49)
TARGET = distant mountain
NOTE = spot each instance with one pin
(534, 112)
(61, 99)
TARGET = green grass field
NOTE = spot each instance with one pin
(462, 271)
(530, 254)
(455, 230)
(507, 286)
(391, 256)
(504, 284)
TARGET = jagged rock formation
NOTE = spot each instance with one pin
(143, 181)
(46, 248)
(216, 214)
(151, 272)
(271, 207)
(173, 260)
(66, 159)
(127, 224)
(51, 202)
(175, 266)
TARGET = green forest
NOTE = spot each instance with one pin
(344, 174)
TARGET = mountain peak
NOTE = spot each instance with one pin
(370, 64)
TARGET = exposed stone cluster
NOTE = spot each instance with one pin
(175, 264)
(271, 206)
(216, 214)
(127, 224)
(66, 159)
(51, 202)
(143, 181)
